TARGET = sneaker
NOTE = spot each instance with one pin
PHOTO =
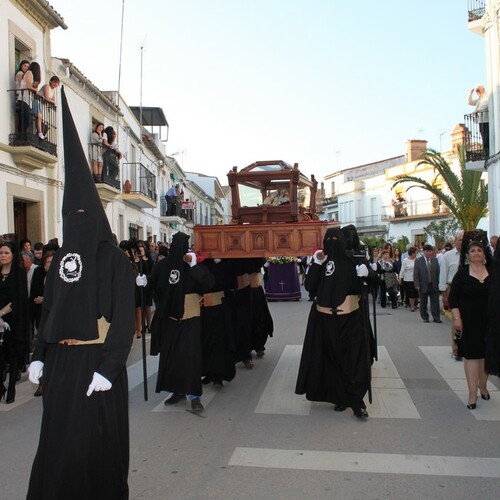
(260, 354)
(174, 399)
(196, 405)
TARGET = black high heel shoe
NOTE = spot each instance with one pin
(11, 395)
(486, 397)
(471, 406)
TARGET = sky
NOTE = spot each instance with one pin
(327, 84)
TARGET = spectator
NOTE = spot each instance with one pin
(406, 278)
(48, 91)
(171, 197)
(388, 279)
(97, 140)
(38, 253)
(25, 245)
(22, 106)
(493, 244)
(32, 79)
(447, 270)
(426, 279)
(469, 308)
(111, 155)
(14, 324)
(481, 114)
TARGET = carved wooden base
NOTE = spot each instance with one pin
(260, 240)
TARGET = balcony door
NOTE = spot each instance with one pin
(21, 219)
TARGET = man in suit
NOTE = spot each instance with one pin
(426, 280)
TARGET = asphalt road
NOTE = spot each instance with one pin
(259, 440)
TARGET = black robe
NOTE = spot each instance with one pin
(336, 360)
(179, 341)
(217, 329)
(240, 304)
(83, 451)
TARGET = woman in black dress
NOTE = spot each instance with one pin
(14, 316)
(469, 308)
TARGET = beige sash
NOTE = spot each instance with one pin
(212, 299)
(255, 280)
(350, 304)
(102, 326)
(191, 306)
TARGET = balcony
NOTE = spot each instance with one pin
(415, 210)
(476, 138)
(371, 224)
(139, 186)
(178, 217)
(33, 115)
(476, 11)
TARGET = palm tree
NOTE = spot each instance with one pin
(467, 196)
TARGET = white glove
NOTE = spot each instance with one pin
(193, 259)
(141, 280)
(35, 371)
(99, 383)
(361, 271)
(4, 326)
(319, 257)
(374, 266)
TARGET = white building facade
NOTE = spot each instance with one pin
(484, 19)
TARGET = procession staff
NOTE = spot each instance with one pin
(84, 339)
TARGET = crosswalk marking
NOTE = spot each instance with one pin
(382, 463)
(279, 396)
(454, 375)
(390, 396)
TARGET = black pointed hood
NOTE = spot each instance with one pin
(72, 280)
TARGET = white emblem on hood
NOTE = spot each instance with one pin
(174, 277)
(330, 268)
(70, 267)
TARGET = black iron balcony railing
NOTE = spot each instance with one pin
(138, 179)
(476, 9)
(477, 136)
(35, 122)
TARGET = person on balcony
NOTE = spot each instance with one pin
(111, 155)
(27, 86)
(97, 140)
(32, 78)
(48, 91)
(481, 114)
(22, 109)
(171, 196)
(399, 205)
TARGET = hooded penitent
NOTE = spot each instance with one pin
(172, 305)
(71, 288)
(338, 273)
